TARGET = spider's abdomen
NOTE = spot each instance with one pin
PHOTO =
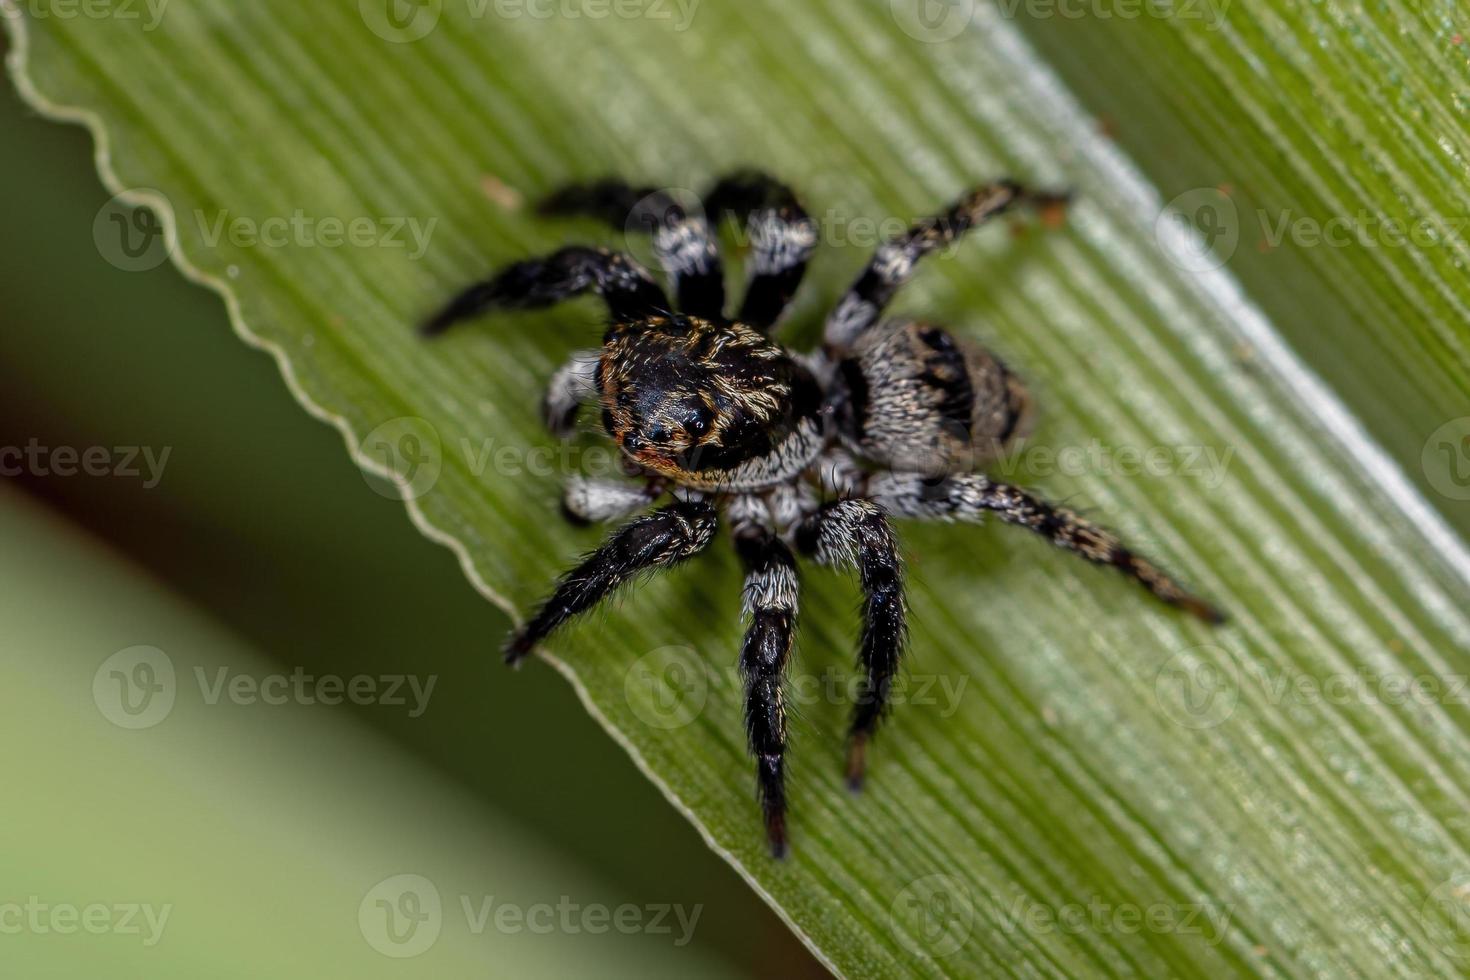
(915, 398)
(711, 405)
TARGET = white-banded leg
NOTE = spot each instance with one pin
(782, 239)
(682, 242)
(857, 534)
(969, 497)
(893, 264)
(770, 600)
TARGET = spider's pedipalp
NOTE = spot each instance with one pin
(857, 534)
(662, 539)
(627, 287)
(770, 608)
(782, 237)
(573, 385)
(683, 242)
(587, 500)
(971, 496)
(893, 264)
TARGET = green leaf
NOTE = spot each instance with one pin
(1078, 782)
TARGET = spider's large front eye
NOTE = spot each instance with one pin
(697, 420)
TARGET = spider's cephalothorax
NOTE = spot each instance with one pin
(814, 452)
(711, 405)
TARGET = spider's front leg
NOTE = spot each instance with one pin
(782, 239)
(660, 540)
(629, 290)
(856, 533)
(770, 607)
(682, 242)
(971, 496)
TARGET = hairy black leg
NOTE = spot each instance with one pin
(971, 496)
(782, 238)
(629, 290)
(660, 540)
(770, 608)
(683, 243)
(855, 533)
(587, 500)
(574, 383)
(893, 263)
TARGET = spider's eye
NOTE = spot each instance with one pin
(697, 421)
(658, 434)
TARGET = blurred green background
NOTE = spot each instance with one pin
(264, 549)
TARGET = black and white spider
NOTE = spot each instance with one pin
(814, 451)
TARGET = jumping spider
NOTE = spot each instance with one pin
(814, 451)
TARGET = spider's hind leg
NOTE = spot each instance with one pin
(971, 496)
(856, 533)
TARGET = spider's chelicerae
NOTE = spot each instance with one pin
(816, 452)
